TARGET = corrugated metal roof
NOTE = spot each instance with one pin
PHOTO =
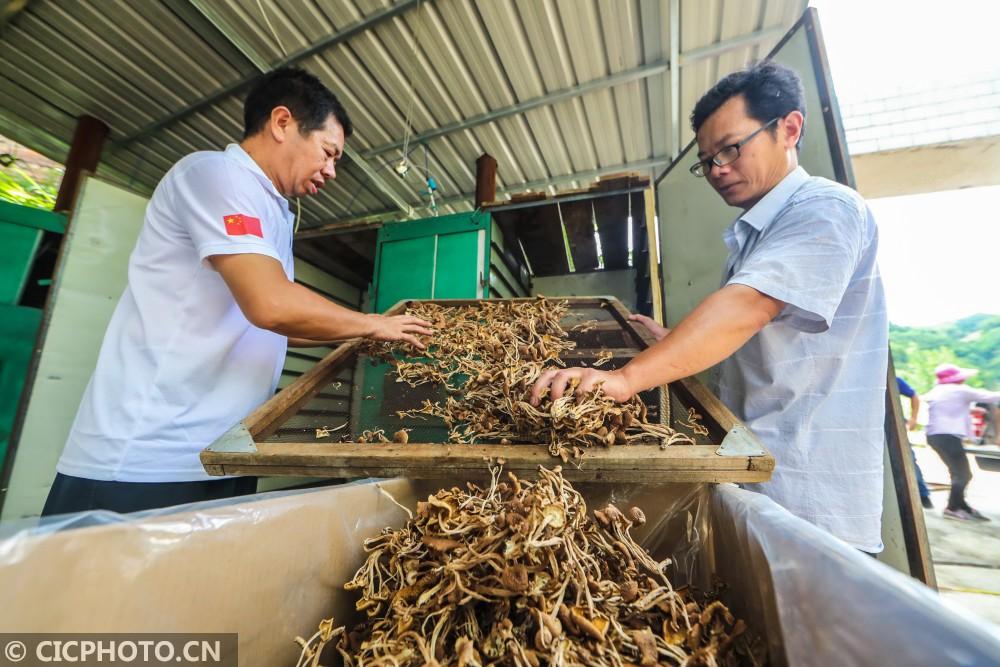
(133, 65)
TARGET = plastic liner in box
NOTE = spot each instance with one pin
(270, 567)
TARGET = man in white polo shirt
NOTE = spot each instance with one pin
(198, 339)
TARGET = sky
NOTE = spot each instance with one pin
(939, 253)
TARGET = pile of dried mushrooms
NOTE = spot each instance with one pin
(519, 574)
(488, 355)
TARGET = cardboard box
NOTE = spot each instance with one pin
(272, 567)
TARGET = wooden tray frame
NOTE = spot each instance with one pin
(735, 455)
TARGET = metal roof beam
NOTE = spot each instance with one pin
(372, 218)
(750, 39)
(641, 72)
(226, 91)
(544, 100)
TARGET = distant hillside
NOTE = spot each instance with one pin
(972, 341)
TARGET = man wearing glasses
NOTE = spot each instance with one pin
(799, 324)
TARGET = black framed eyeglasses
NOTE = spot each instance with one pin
(728, 154)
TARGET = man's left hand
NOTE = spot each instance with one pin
(556, 380)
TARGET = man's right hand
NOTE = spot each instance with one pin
(400, 327)
(658, 331)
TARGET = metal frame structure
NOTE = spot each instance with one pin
(532, 84)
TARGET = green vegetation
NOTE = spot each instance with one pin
(972, 342)
(18, 186)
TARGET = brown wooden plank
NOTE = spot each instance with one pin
(521, 197)
(624, 463)
(649, 222)
(266, 419)
(621, 180)
(574, 301)
(445, 460)
(594, 352)
(334, 228)
(638, 476)
(901, 466)
(691, 391)
(715, 416)
(464, 455)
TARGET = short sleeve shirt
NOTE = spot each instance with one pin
(948, 408)
(180, 364)
(811, 384)
(904, 388)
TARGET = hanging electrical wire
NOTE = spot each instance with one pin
(407, 125)
(284, 53)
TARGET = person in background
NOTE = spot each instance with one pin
(911, 425)
(948, 424)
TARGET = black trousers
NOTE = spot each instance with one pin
(949, 448)
(76, 494)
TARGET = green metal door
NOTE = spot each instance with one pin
(458, 268)
(21, 230)
(433, 258)
(407, 271)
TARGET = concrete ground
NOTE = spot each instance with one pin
(966, 554)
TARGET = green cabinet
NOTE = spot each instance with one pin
(433, 258)
(21, 230)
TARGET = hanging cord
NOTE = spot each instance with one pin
(274, 33)
(407, 127)
(284, 52)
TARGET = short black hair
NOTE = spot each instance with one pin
(310, 102)
(770, 90)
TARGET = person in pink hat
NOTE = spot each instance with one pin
(948, 424)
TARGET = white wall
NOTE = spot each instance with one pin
(89, 279)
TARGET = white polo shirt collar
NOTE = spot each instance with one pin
(238, 154)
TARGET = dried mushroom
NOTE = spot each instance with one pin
(518, 574)
(488, 356)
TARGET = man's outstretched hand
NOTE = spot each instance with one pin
(557, 379)
(400, 327)
(659, 332)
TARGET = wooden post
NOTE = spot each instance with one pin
(904, 476)
(84, 155)
(649, 198)
(486, 180)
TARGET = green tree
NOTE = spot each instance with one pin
(972, 341)
(17, 186)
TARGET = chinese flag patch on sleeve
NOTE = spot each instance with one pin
(238, 224)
